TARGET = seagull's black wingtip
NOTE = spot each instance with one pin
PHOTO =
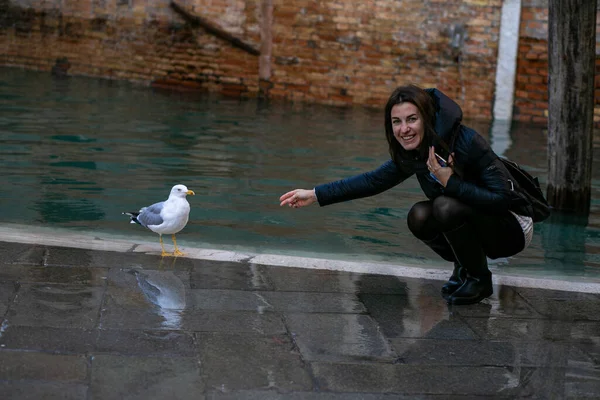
(133, 215)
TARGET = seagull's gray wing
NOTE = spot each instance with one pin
(151, 215)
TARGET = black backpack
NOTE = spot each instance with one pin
(529, 199)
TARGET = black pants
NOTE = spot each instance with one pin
(500, 235)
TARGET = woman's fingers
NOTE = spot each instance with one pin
(296, 198)
(288, 197)
(432, 162)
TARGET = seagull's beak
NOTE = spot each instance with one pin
(191, 192)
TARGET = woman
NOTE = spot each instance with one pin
(467, 217)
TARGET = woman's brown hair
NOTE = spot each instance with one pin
(425, 104)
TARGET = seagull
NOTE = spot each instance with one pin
(167, 217)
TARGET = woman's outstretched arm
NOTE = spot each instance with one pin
(367, 184)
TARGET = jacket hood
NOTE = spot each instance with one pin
(447, 113)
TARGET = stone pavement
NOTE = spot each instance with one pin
(90, 324)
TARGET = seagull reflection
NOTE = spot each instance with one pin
(165, 290)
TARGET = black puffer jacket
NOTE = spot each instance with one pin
(485, 183)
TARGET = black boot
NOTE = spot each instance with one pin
(469, 253)
(440, 245)
(459, 274)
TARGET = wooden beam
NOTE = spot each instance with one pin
(197, 20)
(266, 39)
(571, 59)
(266, 48)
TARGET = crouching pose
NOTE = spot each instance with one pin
(468, 216)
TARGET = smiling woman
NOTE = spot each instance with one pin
(467, 217)
(407, 125)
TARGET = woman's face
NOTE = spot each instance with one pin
(407, 125)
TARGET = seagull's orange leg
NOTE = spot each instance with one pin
(164, 253)
(176, 252)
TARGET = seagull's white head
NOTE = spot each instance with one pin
(181, 191)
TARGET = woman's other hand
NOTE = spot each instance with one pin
(298, 198)
(441, 173)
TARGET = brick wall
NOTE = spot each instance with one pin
(531, 86)
(329, 51)
(341, 52)
(136, 40)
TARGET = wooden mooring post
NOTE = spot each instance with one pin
(571, 57)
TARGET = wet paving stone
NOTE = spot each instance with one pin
(438, 380)
(229, 275)
(137, 278)
(33, 255)
(162, 343)
(588, 331)
(273, 395)
(145, 378)
(61, 275)
(506, 302)
(207, 299)
(453, 352)
(525, 328)
(228, 300)
(580, 384)
(563, 305)
(530, 294)
(401, 316)
(308, 280)
(14, 252)
(35, 390)
(313, 302)
(592, 351)
(235, 322)
(18, 365)
(146, 318)
(451, 328)
(126, 298)
(72, 257)
(115, 317)
(235, 362)
(64, 256)
(570, 382)
(488, 353)
(339, 338)
(53, 340)
(71, 306)
(7, 294)
(582, 308)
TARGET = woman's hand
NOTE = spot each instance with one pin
(298, 198)
(441, 173)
